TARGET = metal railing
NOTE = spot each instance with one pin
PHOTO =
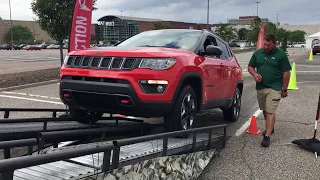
(54, 137)
(8, 110)
(33, 133)
(7, 145)
(165, 138)
(8, 166)
(29, 138)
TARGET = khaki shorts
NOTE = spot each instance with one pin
(268, 99)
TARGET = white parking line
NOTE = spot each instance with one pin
(245, 126)
(31, 99)
(31, 95)
(307, 82)
(312, 66)
(29, 67)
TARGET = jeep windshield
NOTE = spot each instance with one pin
(178, 39)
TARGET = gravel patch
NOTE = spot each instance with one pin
(15, 79)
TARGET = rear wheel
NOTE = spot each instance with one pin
(183, 114)
(84, 116)
(232, 113)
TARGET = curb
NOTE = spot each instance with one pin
(29, 85)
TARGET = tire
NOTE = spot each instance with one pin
(173, 121)
(85, 117)
(232, 113)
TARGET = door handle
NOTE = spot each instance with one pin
(222, 65)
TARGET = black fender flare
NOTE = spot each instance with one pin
(184, 77)
(240, 82)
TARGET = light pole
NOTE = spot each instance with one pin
(11, 25)
(258, 8)
(120, 29)
(277, 20)
(208, 16)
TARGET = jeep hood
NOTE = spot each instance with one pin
(132, 52)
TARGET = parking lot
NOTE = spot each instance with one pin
(15, 61)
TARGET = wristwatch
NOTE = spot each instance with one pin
(284, 90)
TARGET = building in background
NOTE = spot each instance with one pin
(308, 28)
(245, 20)
(38, 34)
(113, 29)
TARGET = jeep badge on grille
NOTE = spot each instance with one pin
(99, 53)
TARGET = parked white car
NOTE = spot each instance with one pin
(298, 45)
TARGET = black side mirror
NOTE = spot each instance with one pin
(212, 50)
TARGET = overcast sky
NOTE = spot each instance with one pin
(290, 11)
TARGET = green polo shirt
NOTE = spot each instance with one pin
(271, 67)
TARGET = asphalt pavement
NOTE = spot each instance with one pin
(243, 158)
(16, 61)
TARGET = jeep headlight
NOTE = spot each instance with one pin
(157, 63)
(66, 58)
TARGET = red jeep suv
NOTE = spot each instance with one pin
(170, 73)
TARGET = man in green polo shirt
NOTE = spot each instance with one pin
(272, 79)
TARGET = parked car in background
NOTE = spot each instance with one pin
(297, 45)
(315, 49)
(32, 47)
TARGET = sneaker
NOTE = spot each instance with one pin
(264, 132)
(266, 141)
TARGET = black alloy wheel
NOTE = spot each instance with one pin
(233, 112)
(188, 108)
(184, 112)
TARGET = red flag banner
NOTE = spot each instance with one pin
(80, 36)
(260, 37)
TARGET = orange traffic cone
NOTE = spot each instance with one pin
(253, 128)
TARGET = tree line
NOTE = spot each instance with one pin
(229, 33)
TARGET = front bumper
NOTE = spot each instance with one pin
(115, 96)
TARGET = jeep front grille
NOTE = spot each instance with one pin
(124, 63)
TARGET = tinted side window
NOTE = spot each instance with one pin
(230, 52)
(225, 53)
(209, 41)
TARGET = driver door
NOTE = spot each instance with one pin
(213, 71)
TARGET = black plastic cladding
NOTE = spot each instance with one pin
(103, 62)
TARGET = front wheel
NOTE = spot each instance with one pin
(232, 113)
(84, 116)
(183, 114)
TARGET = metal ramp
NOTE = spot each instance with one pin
(84, 160)
(23, 128)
